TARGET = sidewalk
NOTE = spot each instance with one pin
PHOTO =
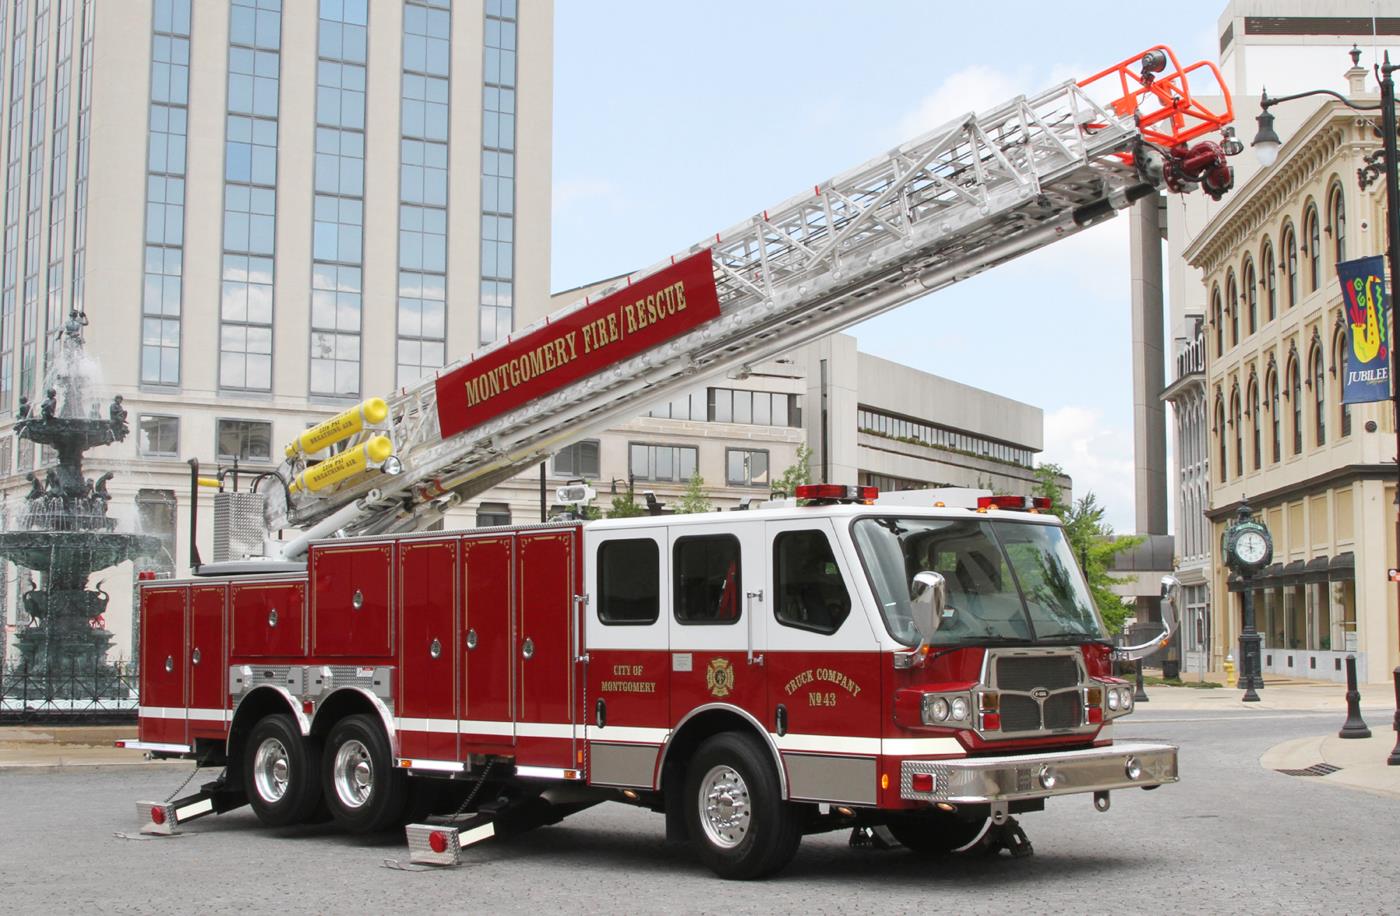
(26, 747)
(1278, 694)
(1360, 763)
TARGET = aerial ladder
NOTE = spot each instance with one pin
(938, 209)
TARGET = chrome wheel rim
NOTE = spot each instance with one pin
(354, 774)
(725, 812)
(271, 770)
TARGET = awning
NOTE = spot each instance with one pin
(1292, 574)
(1316, 569)
(1272, 571)
(1234, 583)
(1342, 567)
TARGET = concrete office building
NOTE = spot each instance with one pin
(268, 210)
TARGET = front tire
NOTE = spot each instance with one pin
(280, 772)
(738, 821)
(363, 789)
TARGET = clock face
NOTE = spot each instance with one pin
(1251, 548)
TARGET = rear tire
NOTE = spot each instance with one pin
(363, 789)
(936, 833)
(280, 772)
(738, 821)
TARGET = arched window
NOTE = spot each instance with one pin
(1218, 320)
(1337, 221)
(1251, 295)
(1295, 394)
(1266, 259)
(1256, 422)
(1237, 421)
(1220, 431)
(1312, 230)
(1232, 306)
(1319, 386)
(1275, 414)
(1339, 369)
(1290, 263)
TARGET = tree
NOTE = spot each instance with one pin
(797, 474)
(624, 504)
(1093, 543)
(695, 499)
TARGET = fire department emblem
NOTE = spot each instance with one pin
(719, 677)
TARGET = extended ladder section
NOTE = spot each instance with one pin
(946, 206)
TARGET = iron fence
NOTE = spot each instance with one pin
(104, 690)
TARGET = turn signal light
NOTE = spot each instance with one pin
(1095, 715)
(991, 721)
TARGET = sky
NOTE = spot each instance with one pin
(673, 121)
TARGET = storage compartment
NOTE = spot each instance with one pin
(350, 604)
(163, 668)
(269, 619)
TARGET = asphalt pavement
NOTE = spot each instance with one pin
(1231, 836)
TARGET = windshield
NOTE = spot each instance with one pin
(1007, 581)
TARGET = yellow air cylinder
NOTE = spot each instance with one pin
(338, 427)
(344, 466)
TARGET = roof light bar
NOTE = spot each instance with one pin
(836, 492)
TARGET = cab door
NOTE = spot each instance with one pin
(624, 702)
(718, 630)
(823, 666)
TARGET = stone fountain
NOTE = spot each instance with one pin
(63, 533)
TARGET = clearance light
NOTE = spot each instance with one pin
(157, 815)
(437, 841)
(922, 782)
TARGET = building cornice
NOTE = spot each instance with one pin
(1328, 131)
(1350, 473)
(1194, 383)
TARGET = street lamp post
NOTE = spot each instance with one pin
(1266, 146)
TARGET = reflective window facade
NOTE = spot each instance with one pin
(34, 212)
(14, 162)
(422, 324)
(897, 427)
(250, 195)
(165, 193)
(337, 245)
(498, 171)
(80, 181)
(58, 167)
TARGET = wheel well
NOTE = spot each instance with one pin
(687, 740)
(342, 703)
(262, 702)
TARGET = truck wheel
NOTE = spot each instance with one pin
(279, 772)
(363, 789)
(936, 832)
(738, 820)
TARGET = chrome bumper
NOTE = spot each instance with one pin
(1010, 778)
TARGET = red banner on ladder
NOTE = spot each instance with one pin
(650, 312)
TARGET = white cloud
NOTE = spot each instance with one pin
(1098, 456)
(570, 193)
(972, 89)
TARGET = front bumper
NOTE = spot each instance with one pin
(1020, 776)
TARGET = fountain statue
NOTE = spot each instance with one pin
(63, 532)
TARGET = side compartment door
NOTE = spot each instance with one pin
(823, 667)
(488, 675)
(427, 703)
(544, 655)
(624, 702)
(208, 662)
(164, 664)
(718, 625)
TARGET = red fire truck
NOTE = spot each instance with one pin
(924, 665)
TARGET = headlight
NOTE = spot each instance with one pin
(1127, 698)
(940, 710)
(1113, 699)
(958, 709)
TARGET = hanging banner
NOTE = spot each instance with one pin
(650, 312)
(1367, 304)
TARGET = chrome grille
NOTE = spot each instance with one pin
(1053, 672)
(1063, 710)
(1019, 714)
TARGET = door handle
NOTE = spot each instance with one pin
(527, 648)
(754, 659)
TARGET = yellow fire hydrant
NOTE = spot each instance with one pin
(1229, 671)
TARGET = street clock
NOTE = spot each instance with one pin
(1248, 545)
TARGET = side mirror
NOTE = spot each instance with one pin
(930, 598)
(1171, 596)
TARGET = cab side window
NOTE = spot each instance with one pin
(707, 579)
(811, 595)
(629, 582)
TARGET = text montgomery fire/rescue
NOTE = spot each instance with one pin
(628, 318)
